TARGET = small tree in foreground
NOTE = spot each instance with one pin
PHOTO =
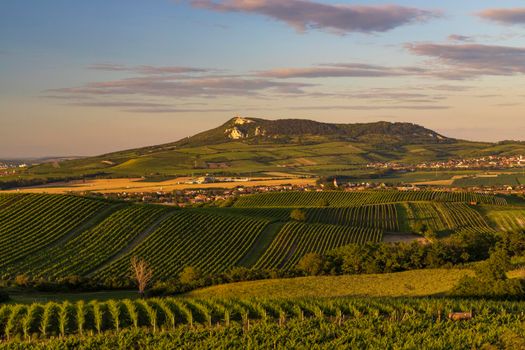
(142, 273)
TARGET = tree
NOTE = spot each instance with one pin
(311, 263)
(298, 215)
(190, 275)
(496, 267)
(142, 273)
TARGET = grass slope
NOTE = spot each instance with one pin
(409, 283)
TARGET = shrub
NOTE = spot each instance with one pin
(298, 215)
(190, 275)
(312, 264)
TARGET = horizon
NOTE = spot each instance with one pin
(101, 77)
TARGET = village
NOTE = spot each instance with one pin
(480, 163)
(10, 168)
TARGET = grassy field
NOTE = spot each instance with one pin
(409, 283)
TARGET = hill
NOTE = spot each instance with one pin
(56, 236)
(253, 145)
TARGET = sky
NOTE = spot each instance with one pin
(91, 77)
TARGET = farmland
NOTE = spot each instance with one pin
(290, 323)
(55, 236)
(294, 240)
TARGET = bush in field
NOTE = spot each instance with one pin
(298, 215)
(491, 279)
(312, 264)
(190, 275)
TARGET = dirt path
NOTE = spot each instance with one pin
(135, 242)
(261, 244)
(403, 237)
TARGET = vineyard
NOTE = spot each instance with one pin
(413, 323)
(91, 248)
(349, 199)
(380, 216)
(210, 242)
(55, 236)
(34, 221)
(297, 239)
(445, 217)
(511, 219)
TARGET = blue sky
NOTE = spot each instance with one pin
(87, 77)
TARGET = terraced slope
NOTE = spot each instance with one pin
(348, 199)
(210, 242)
(35, 221)
(295, 240)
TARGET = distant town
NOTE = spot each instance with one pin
(487, 162)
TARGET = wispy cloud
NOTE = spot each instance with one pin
(174, 86)
(460, 38)
(504, 15)
(340, 70)
(146, 70)
(303, 15)
(472, 60)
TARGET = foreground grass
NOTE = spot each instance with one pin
(410, 283)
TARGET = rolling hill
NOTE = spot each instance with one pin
(55, 236)
(252, 145)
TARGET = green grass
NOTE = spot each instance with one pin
(410, 283)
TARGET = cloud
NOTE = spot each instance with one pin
(340, 70)
(372, 107)
(462, 38)
(146, 70)
(303, 15)
(472, 60)
(504, 16)
(174, 86)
